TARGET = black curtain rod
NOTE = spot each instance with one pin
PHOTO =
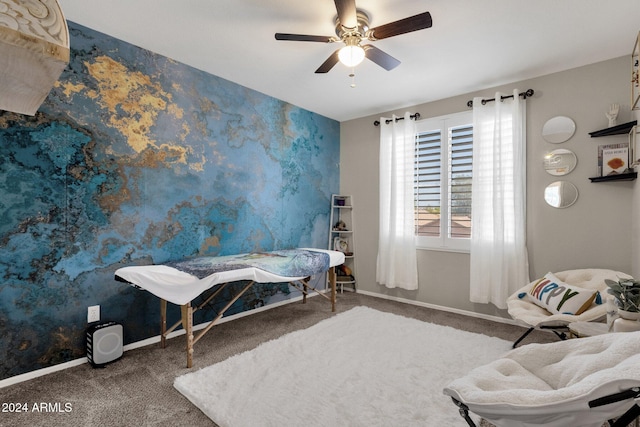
(415, 116)
(525, 95)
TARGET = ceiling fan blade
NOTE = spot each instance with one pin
(329, 63)
(304, 38)
(406, 25)
(381, 58)
(347, 13)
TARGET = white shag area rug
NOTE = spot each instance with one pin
(362, 367)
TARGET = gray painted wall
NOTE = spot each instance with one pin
(595, 232)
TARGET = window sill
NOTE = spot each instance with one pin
(455, 250)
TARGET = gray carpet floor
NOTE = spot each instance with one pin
(138, 389)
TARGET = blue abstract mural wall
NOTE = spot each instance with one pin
(137, 159)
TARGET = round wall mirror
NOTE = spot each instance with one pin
(558, 129)
(560, 162)
(560, 194)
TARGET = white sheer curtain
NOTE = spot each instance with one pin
(397, 264)
(499, 260)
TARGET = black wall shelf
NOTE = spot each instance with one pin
(614, 130)
(621, 177)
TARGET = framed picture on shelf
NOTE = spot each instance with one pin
(340, 244)
(615, 161)
(611, 149)
(634, 149)
(635, 76)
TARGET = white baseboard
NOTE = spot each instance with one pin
(442, 308)
(153, 340)
(156, 339)
(41, 372)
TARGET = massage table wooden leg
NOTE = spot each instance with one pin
(221, 312)
(187, 313)
(305, 287)
(332, 282)
(163, 323)
(187, 324)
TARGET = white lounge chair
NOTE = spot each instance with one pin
(579, 382)
(534, 316)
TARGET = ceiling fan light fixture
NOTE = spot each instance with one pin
(352, 28)
(351, 55)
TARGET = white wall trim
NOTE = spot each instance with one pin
(41, 372)
(77, 362)
(442, 308)
(156, 339)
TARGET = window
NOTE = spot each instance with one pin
(443, 187)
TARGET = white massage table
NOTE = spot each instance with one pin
(181, 282)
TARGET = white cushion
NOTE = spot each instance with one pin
(590, 278)
(559, 297)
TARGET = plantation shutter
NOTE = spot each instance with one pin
(460, 172)
(427, 183)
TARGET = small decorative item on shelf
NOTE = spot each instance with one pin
(612, 115)
(612, 151)
(615, 160)
(345, 274)
(627, 297)
(340, 226)
(340, 201)
(340, 244)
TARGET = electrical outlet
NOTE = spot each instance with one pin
(93, 314)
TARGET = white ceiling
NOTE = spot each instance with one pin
(472, 45)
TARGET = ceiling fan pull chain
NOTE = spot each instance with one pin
(353, 78)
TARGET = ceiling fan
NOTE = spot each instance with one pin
(352, 28)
